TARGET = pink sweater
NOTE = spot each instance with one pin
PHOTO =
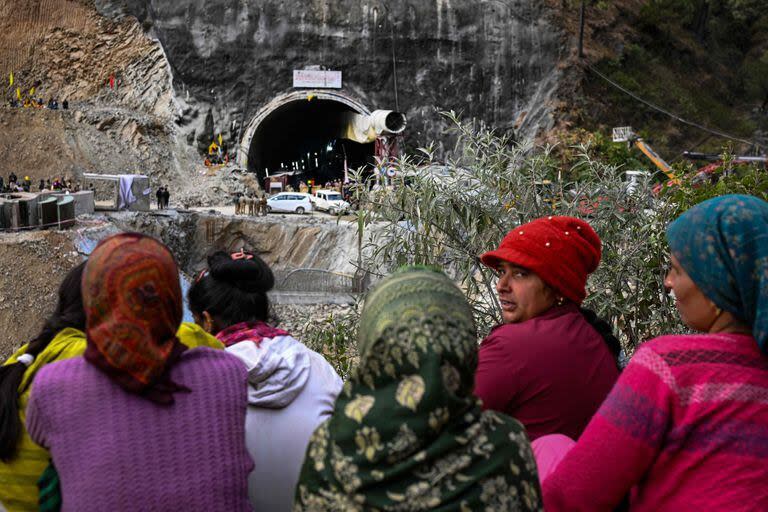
(685, 428)
(117, 451)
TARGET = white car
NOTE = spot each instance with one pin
(330, 201)
(294, 202)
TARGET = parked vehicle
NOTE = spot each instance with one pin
(329, 201)
(294, 202)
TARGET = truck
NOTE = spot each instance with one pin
(329, 201)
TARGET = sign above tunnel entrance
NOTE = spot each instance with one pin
(317, 78)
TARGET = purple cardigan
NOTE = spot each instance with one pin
(118, 451)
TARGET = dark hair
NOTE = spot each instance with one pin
(233, 289)
(69, 312)
(604, 330)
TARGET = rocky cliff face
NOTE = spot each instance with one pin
(65, 49)
(493, 60)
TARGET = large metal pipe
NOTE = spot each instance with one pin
(364, 129)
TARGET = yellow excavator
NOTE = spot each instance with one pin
(626, 134)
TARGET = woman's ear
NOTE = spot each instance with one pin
(208, 324)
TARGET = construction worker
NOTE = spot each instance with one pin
(262, 203)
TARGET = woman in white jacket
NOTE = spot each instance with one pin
(292, 388)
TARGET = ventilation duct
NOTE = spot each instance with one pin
(365, 129)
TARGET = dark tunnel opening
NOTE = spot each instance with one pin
(303, 138)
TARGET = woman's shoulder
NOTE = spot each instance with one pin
(193, 336)
(531, 331)
(216, 369)
(505, 421)
(64, 374)
(506, 332)
(512, 432)
(207, 356)
(675, 343)
(324, 373)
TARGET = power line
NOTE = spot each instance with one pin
(670, 114)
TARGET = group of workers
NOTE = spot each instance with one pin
(52, 104)
(163, 197)
(217, 154)
(25, 185)
(251, 204)
(119, 405)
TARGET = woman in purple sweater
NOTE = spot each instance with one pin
(141, 422)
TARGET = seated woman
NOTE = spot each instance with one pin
(61, 337)
(141, 421)
(292, 388)
(407, 432)
(686, 426)
(551, 364)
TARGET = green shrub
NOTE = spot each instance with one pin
(335, 337)
(447, 214)
(726, 178)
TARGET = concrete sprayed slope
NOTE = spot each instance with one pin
(495, 61)
(24, 24)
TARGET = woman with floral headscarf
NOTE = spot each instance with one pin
(407, 432)
(686, 426)
(141, 422)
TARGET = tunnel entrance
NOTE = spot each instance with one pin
(299, 135)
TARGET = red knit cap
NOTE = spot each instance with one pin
(562, 251)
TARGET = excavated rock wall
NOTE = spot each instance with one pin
(493, 60)
(33, 264)
(284, 242)
(65, 49)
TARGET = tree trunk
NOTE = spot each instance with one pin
(700, 18)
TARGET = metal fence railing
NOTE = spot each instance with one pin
(317, 280)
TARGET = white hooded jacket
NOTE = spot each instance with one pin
(292, 389)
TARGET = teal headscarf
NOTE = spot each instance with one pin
(722, 244)
(407, 433)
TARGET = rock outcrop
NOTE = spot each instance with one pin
(493, 60)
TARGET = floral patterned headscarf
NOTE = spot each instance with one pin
(722, 244)
(133, 306)
(407, 432)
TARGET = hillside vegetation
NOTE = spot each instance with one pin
(702, 60)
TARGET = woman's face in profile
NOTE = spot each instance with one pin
(522, 293)
(696, 310)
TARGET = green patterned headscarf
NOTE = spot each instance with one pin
(407, 434)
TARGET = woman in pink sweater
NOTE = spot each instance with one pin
(686, 426)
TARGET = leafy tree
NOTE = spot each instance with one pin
(447, 214)
(755, 74)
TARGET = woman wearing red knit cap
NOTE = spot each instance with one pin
(551, 363)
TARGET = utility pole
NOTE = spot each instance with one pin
(581, 30)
